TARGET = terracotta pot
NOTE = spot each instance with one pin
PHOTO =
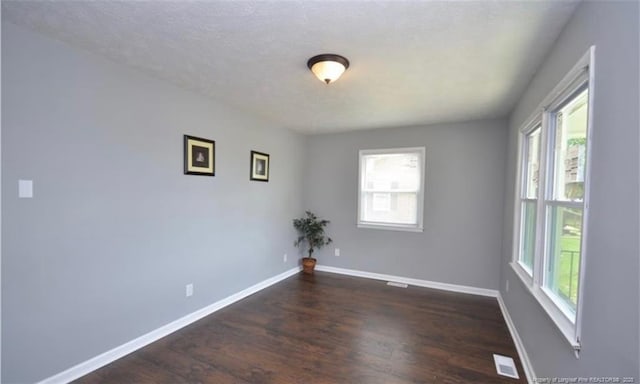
(308, 264)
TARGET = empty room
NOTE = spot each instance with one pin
(320, 192)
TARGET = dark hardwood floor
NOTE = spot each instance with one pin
(329, 328)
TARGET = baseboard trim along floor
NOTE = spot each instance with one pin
(110, 356)
(411, 281)
(101, 360)
(524, 358)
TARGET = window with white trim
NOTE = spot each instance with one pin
(564, 201)
(391, 188)
(552, 199)
(529, 195)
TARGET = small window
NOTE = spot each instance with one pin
(391, 188)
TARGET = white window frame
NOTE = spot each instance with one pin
(527, 129)
(580, 75)
(420, 203)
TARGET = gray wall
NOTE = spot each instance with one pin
(102, 253)
(462, 212)
(610, 327)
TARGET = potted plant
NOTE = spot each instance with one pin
(311, 234)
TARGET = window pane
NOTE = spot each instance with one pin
(392, 172)
(381, 202)
(570, 143)
(532, 164)
(528, 233)
(398, 208)
(562, 266)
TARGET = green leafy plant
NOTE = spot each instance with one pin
(577, 141)
(311, 232)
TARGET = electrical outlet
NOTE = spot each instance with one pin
(337, 252)
(284, 259)
(507, 286)
(189, 290)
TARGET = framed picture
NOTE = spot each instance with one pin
(199, 156)
(259, 166)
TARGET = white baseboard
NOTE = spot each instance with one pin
(410, 281)
(101, 360)
(524, 358)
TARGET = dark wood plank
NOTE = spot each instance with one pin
(329, 328)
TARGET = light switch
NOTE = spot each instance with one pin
(25, 189)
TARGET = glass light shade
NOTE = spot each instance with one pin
(328, 71)
(328, 67)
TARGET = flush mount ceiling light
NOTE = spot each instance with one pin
(328, 67)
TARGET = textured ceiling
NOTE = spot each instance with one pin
(412, 62)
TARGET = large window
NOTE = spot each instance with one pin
(552, 199)
(391, 188)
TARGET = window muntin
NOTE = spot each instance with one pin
(391, 188)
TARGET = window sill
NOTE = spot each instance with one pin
(566, 326)
(390, 227)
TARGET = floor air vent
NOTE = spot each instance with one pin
(505, 366)
(396, 284)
